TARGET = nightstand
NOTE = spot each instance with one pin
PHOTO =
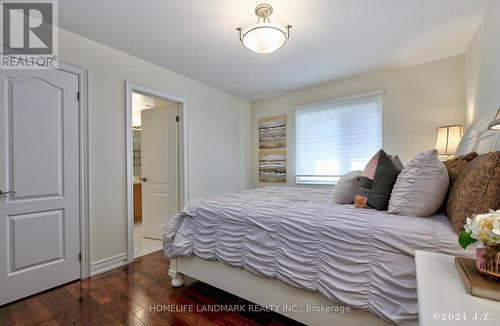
(443, 298)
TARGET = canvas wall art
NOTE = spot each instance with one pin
(272, 149)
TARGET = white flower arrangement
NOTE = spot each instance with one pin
(483, 229)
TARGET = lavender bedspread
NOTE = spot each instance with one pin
(359, 257)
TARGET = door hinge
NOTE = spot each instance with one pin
(78, 96)
(80, 256)
(177, 118)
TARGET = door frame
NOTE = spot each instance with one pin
(83, 134)
(183, 153)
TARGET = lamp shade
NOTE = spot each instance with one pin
(495, 124)
(448, 138)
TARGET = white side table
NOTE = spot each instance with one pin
(443, 298)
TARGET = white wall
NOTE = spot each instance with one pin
(482, 67)
(417, 100)
(218, 135)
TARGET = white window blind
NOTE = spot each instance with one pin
(336, 137)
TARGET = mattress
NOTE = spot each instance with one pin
(360, 257)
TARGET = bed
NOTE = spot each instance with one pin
(294, 249)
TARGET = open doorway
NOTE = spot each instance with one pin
(156, 179)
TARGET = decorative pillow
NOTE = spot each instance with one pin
(457, 164)
(346, 187)
(397, 162)
(476, 189)
(364, 187)
(421, 186)
(454, 167)
(378, 179)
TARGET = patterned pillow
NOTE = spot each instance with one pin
(378, 178)
(346, 187)
(476, 189)
(454, 167)
(457, 164)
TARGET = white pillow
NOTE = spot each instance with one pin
(345, 189)
(421, 187)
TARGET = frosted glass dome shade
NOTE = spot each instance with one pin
(264, 37)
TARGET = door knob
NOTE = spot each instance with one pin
(7, 192)
(144, 179)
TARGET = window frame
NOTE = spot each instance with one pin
(380, 93)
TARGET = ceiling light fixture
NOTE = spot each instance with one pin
(264, 37)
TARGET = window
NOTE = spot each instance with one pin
(336, 137)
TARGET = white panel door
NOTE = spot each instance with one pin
(159, 169)
(39, 161)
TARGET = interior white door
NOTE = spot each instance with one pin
(39, 148)
(159, 169)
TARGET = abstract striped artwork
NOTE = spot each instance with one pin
(272, 149)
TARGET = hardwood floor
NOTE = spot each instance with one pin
(138, 294)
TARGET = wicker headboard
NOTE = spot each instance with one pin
(480, 139)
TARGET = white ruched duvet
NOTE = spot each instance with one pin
(360, 257)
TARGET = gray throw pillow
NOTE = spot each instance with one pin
(345, 189)
(421, 187)
(378, 178)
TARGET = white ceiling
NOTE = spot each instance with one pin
(330, 39)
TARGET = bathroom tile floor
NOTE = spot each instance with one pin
(144, 246)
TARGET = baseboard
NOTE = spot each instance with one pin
(108, 264)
